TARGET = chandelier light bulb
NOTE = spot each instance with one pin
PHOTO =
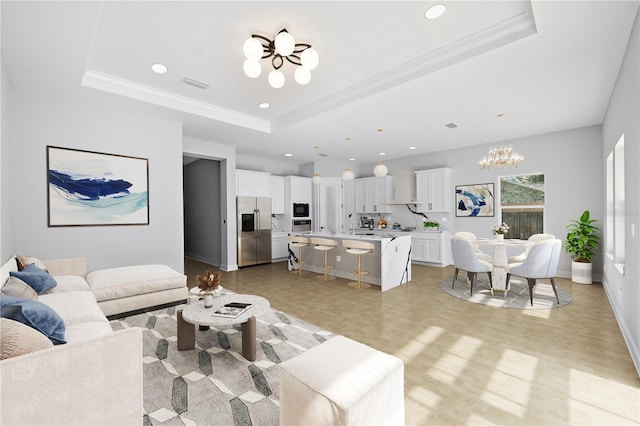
(276, 79)
(285, 44)
(252, 49)
(347, 174)
(309, 58)
(316, 179)
(380, 170)
(302, 76)
(252, 68)
(501, 157)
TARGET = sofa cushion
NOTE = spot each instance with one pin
(34, 314)
(74, 307)
(24, 261)
(17, 288)
(18, 339)
(87, 330)
(68, 283)
(37, 278)
(9, 266)
(116, 283)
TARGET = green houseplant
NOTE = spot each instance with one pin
(431, 225)
(581, 244)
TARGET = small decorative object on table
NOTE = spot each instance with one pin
(431, 226)
(499, 230)
(207, 285)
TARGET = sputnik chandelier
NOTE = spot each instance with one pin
(282, 47)
(500, 158)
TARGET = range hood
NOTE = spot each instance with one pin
(404, 188)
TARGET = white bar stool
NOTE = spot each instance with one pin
(324, 244)
(299, 243)
(358, 248)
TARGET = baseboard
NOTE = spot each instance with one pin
(634, 351)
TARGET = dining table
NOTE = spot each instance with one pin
(499, 256)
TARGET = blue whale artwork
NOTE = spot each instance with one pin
(87, 188)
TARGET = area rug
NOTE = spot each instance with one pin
(517, 297)
(214, 383)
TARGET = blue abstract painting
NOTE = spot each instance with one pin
(474, 200)
(91, 188)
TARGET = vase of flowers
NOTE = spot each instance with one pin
(499, 230)
(208, 285)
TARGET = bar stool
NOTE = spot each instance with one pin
(324, 244)
(358, 248)
(299, 242)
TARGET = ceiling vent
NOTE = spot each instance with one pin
(323, 155)
(195, 83)
(451, 125)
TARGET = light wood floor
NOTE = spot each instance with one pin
(467, 363)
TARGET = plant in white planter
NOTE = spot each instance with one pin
(581, 244)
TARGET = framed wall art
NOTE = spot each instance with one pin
(86, 188)
(475, 200)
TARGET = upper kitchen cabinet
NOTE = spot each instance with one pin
(297, 189)
(252, 184)
(276, 186)
(433, 190)
(372, 194)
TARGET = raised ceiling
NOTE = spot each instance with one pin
(546, 66)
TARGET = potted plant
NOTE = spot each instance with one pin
(499, 230)
(430, 225)
(581, 244)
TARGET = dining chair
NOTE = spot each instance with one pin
(541, 263)
(476, 248)
(535, 238)
(465, 259)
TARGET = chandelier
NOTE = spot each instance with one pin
(282, 47)
(500, 158)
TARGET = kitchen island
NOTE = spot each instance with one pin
(389, 265)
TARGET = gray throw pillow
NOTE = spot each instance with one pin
(17, 288)
(18, 339)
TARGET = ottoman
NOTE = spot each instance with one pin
(342, 382)
(137, 288)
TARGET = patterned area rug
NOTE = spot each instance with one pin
(214, 383)
(517, 297)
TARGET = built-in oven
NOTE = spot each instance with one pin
(300, 209)
(301, 225)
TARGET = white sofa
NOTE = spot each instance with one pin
(95, 378)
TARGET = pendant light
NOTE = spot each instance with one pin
(380, 170)
(347, 174)
(316, 179)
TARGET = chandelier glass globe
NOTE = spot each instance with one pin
(252, 68)
(316, 179)
(276, 79)
(309, 59)
(285, 44)
(252, 49)
(302, 75)
(347, 174)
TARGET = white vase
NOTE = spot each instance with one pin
(500, 237)
(208, 300)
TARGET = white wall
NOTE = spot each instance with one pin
(202, 211)
(6, 234)
(38, 121)
(622, 118)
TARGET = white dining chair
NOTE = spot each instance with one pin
(476, 248)
(465, 259)
(541, 263)
(535, 238)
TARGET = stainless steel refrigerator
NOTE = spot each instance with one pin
(254, 230)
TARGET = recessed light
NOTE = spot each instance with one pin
(435, 11)
(264, 105)
(159, 68)
(383, 153)
(500, 115)
(380, 130)
(347, 139)
(286, 154)
(316, 147)
(412, 147)
(352, 159)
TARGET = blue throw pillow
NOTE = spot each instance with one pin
(36, 315)
(38, 279)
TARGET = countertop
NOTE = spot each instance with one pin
(360, 235)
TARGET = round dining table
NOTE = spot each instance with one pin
(499, 256)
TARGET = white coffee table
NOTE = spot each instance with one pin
(196, 314)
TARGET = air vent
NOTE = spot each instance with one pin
(451, 125)
(323, 155)
(195, 83)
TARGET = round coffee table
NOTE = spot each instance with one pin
(196, 314)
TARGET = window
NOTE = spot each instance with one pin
(522, 204)
(615, 222)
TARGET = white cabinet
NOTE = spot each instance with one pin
(433, 190)
(276, 191)
(432, 247)
(372, 194)
(252, 184)
(279, 245)
(298, 189)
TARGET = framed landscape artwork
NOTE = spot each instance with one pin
(474, 200)
(88, 188)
